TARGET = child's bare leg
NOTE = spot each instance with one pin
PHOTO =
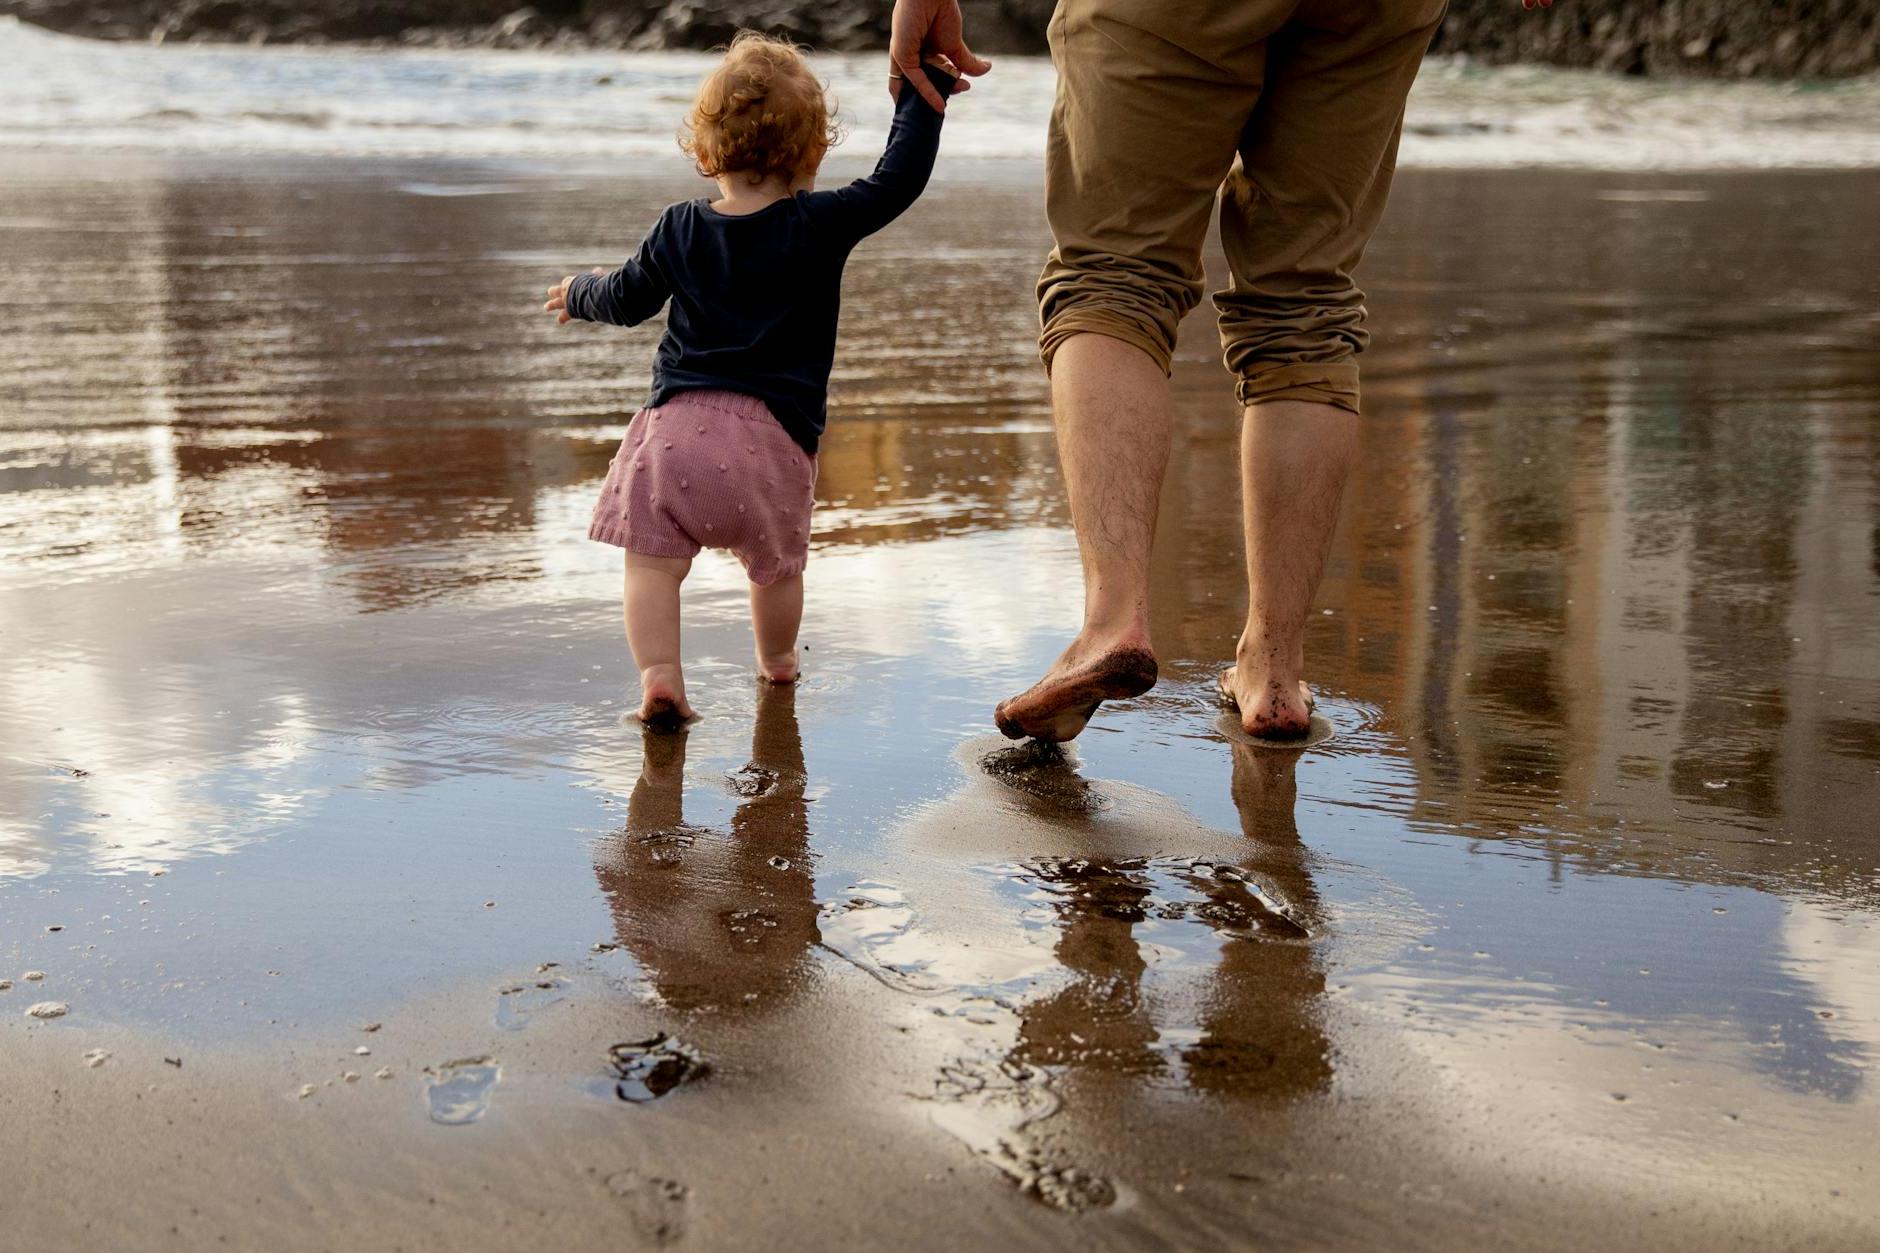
(776, 613)
(652, 611)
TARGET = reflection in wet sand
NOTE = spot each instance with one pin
(295, 609)
(718, 918)
(1256, 1032)
(1261, 1034)
(335, 364)
(1151, 956)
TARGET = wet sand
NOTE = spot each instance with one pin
(313, 694)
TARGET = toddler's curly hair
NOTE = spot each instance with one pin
(762, 112)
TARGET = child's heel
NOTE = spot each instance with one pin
(662, 714)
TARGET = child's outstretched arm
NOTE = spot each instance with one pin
(624, 297)
(868, 204)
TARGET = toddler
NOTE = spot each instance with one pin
(724, 453)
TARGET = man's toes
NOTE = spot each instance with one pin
(1030, 716)
(1010, 717)
(1007, 726)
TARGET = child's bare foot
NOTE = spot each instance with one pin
(663, 706)
(1057, 706)
(779, 667)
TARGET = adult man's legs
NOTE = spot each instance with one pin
(1110, 401)
(1296, 213)
(1149, 114)
(1294, 458)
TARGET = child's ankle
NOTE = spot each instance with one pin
(667, 678)
(778, 667)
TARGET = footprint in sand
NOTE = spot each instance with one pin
(872, 928)
(992, 1104)
(655, 1206)
(1046, 776)
(518, 1003)
(459, 1092)
(986, 1099)
(645, 1070)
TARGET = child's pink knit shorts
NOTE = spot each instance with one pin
(710, 470)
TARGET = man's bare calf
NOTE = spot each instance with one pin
(1112, 407)
(1111, 402)
(1294, 458)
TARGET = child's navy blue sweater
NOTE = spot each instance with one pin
(755, 297)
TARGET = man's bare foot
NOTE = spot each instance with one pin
(1269, 715)
(663, 705)
(779, 668)
(1057, 707)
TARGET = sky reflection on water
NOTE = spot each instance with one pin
(298, 617)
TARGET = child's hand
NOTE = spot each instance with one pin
(929, 29)
(558, 298)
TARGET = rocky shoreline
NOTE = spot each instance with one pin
(1712, 38)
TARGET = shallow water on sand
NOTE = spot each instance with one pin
(313, 693)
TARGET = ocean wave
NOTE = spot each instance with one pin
(77, 94)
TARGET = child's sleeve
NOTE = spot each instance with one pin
(629, 295)
(868, 204)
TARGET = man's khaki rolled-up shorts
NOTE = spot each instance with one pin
(1290, 110)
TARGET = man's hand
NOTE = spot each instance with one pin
(929, 29)
(558, 298)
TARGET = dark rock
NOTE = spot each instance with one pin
(1723, 38)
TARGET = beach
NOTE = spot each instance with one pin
(378, 924)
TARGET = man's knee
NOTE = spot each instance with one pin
(1299, 345)
(1331, 383)
(1122, 297)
